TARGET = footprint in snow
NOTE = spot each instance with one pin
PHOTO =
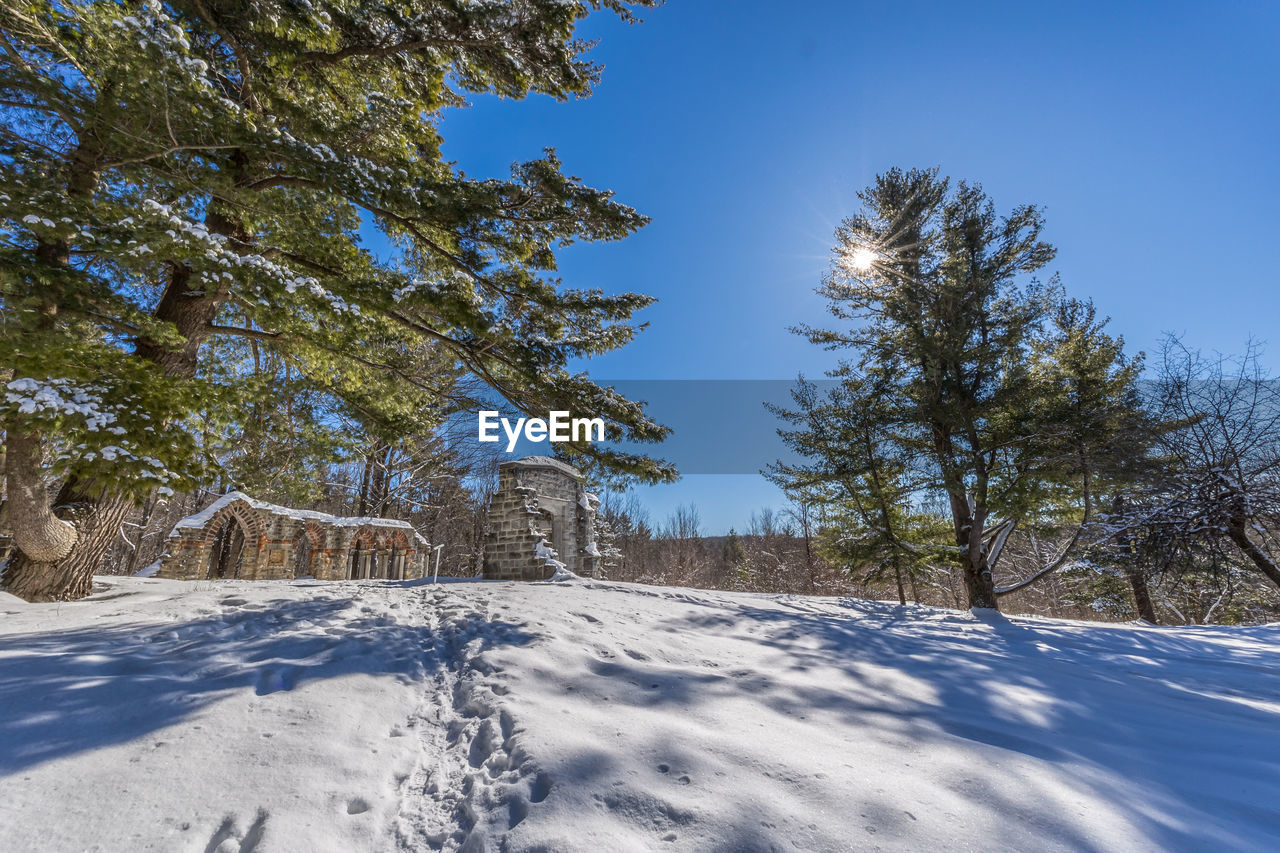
(227, 838)
(275, 681)
(540, 788)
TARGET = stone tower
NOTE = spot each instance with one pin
(541, 518)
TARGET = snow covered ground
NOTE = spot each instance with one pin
(585, 716)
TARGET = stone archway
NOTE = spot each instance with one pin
(310, 551)
(364, 549)
(233, 540)
(382, 557)
(399, 555)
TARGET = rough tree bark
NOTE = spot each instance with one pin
(968, 517)
(979, 585)
(192, 313)
(40, 534)
(54, 558)
(1142, 596)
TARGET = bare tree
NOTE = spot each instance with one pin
(1214, 502)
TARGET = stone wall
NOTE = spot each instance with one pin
(281, 543)
(541, 517)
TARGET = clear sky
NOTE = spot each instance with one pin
(1148, 131)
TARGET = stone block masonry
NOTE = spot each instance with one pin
(541, 518)
(239, 537)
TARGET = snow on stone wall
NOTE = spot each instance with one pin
(282, 542)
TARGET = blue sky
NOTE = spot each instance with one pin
(1148, 131)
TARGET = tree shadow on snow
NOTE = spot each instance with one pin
(1166, 724)
(65, 692)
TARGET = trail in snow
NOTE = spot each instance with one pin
(586, 716)
(215, 717)
(472, 768)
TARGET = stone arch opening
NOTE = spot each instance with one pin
(232, 537)
(384, 557)
(308, 550)
(363, 551)
(399, 550)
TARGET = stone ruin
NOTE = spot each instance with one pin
(541, 518)
(239, 537)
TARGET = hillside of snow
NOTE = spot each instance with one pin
(589, 716)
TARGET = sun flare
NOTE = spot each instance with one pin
(862, 259)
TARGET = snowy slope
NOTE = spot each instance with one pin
(584, 716)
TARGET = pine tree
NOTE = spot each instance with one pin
(732, 554)
(1097, 427)
(952, 392)
(851, 470)
(180, 175)
(611, 555)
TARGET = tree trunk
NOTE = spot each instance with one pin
(144, 522)
(60, 568)
(1142, 596)
(58, 547)
(95, 516)
(1238, 531)
(235, 553)
(192, 313)
(98, 514)
(221, 551)
(378, 484)
(366, 478)
(808, 554)
(44, 572)
(902, 593)
(978, 584)
(980, 588)
(37, 532)
(53, 557)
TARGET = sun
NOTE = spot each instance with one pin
(862, 259)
